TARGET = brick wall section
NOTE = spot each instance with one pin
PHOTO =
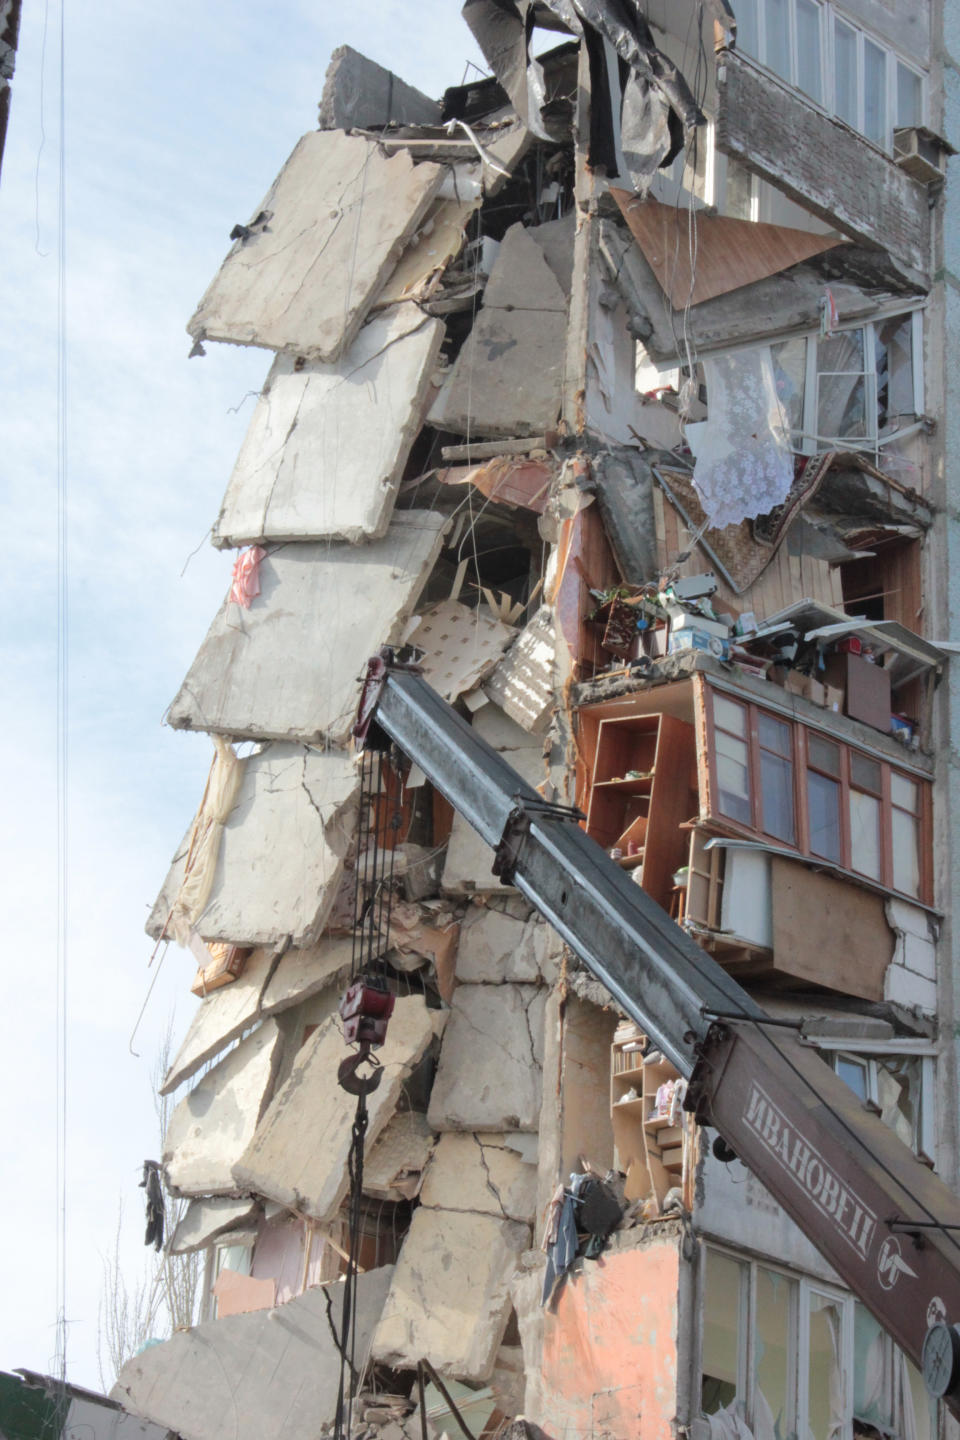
(821, 164)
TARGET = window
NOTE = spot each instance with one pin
(900, 1086)
(839, 66)
(794, 785)
(856, 388)
(794, 1357)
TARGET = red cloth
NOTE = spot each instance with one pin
(246, 576)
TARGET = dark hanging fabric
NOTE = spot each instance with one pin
(156, 1215)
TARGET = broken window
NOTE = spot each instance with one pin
(833, 61)
(856, 388)
(900, 1087)
(791, 783)
(788, 1356)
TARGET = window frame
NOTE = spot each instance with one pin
(802, 1289)
(808, 439)
(830, 14)
(872, 1055)
(801, 732)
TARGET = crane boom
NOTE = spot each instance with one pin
(888, 1226)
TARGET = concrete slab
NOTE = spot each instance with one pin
(360, 94)
(270, 983)
(460, 645)
(275, 1372)
(439, 241)
(211, 1128)
(281, 852)
(298, 1155)
(304, 272)
(522, 683)
(288, 668)
(496, 947)
(468, 860)
(507, 377)
(479, 1172)
(204, 1220)
(219, 1018)
(489, 1075)
(394, 1167)
(301, 974)
(327, 444)
(450, 1297)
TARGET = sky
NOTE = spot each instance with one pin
(176, 120)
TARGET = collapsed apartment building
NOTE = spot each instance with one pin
(603, 390)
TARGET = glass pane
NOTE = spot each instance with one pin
(845, 73)
(875, 93)
(843, 351)
(825, 1398)
(772, 1348)
(721, 1331)
(853, 1073)
(841, 407)
(733, 778)
(916, 1397)
(864, 773)
(909, 96)
(898, 1095)
(778, 37)
(748, 36)
(895, 397)
(729, 715)
(903, 792)
(872, 1371)
(823, 802)
(906, 853)
(823, 753)
(776, 797)
(790, 374)
(808, 49)
(774, 734)
(865, 834)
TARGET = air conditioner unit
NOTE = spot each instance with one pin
(921, 153)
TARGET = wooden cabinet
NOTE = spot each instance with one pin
(642, 787)
(649, 1141)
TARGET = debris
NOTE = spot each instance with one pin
(274, 1372)
(489, 1074)
(298, 1155)
(480, 1173)
(522, 683)
(449, 1297)
(204, 1220)
(729, 253)
(506, 378)
(212, 1126)
(496, 947)
(327, 444)
(290, 796)
(359, 93)
(461, 645)
(339, 208)
(263, 675)
(393, 1167)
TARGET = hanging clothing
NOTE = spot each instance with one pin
(246, 576)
